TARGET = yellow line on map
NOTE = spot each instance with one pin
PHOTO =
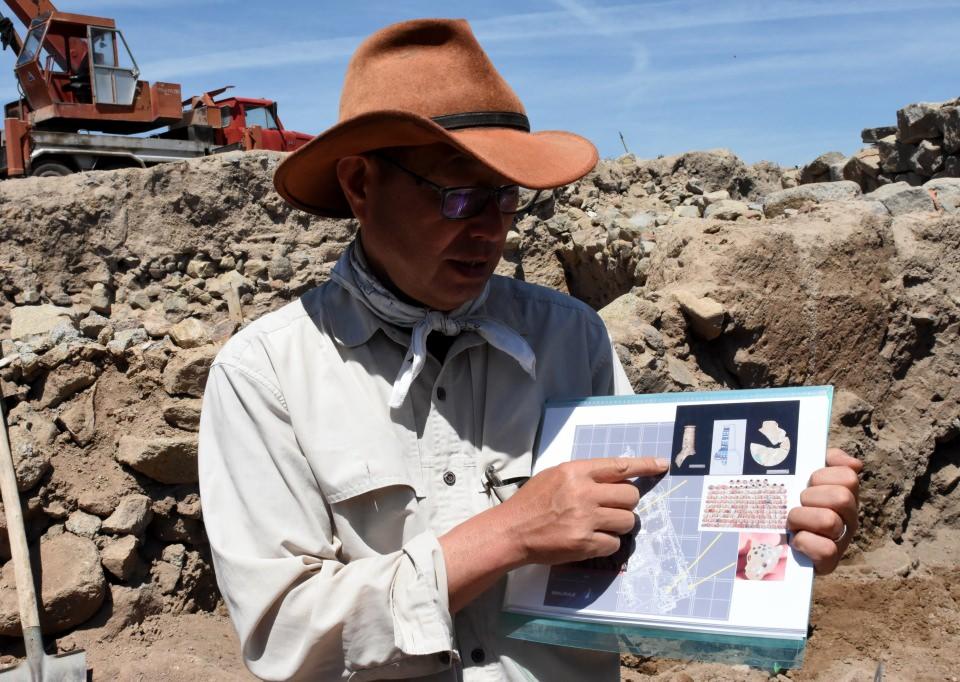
(712, 575)
(660, 497)
(715, 541)
(694, 562)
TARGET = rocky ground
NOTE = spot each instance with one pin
(118, 288)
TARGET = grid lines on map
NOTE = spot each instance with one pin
(676, 570)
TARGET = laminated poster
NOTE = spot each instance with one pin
(708, 574)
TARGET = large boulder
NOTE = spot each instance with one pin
(727, 209)
(72, 585)
(186, 373)
(83, 524)
(873, 135)
(863, 168)
(895, 154)
(167, 460)
(131, 516)
(819, 170)
(80, 419)
(947, 193)
(805, 196)
(183, 414)
(65, 382)
(36, 319)
(928, 158)
(190, 333)
(900, 198)
(120, 557)
(705, 314)
(31, 456)
(950, 124)
(920, 121)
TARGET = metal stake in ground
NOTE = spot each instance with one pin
(39, 667)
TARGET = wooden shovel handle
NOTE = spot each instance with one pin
(26, 593)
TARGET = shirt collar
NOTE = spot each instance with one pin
(349, 322)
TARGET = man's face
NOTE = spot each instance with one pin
(438, 262)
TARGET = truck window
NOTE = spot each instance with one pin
(113, 69)
(260, 116)
(31, 45)
(110, 49)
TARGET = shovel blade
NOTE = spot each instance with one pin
(70, 667)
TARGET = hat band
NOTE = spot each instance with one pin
(484, 119)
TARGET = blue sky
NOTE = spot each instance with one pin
(782, 80)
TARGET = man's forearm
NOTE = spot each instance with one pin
(477, 553)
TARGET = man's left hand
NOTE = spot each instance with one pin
(826, 521)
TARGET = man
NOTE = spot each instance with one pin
(346, 439)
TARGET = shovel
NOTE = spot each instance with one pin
(39, 667)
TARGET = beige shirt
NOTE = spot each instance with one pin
(323, 506)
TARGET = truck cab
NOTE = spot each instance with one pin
(254, 124)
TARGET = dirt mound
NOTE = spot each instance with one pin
(119, 287)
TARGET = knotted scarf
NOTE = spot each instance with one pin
(353, 274)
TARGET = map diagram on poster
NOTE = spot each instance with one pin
(673, 568)
(709, 553)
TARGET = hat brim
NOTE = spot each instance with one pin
(307, 179)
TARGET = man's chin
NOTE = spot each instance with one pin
(456, 293)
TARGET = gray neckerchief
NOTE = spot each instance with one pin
(353, 274)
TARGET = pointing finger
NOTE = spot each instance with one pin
(616, 469)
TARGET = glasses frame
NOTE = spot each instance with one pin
(444, 192)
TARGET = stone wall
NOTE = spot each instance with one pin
(118, 288)
(924, 145)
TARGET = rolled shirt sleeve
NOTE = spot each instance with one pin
(299, 610)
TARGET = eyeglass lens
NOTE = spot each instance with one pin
(466, 202)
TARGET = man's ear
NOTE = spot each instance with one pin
(352, 173)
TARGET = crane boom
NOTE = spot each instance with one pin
(28, 10)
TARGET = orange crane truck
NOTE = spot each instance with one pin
(83, 107)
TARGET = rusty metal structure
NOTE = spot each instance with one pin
(77, 77)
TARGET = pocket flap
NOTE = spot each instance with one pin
(345, 473)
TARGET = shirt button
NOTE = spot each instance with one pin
(449, 477)
(477, 655)
(441, 393)
(444, 657)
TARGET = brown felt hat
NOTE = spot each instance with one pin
(421, 82)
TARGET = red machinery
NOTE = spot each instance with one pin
(245, 121)
(76, 73)
(88, 79)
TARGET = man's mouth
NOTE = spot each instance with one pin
(471, 267)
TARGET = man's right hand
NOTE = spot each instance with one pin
(576, 510)
(570, 512)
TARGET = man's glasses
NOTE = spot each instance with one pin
(458, 203)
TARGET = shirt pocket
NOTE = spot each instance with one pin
(374, 500)
(346, 471)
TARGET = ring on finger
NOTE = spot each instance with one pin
(843, 534)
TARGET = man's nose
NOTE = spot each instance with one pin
(490, 224)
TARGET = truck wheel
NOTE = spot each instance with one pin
(50, 169)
